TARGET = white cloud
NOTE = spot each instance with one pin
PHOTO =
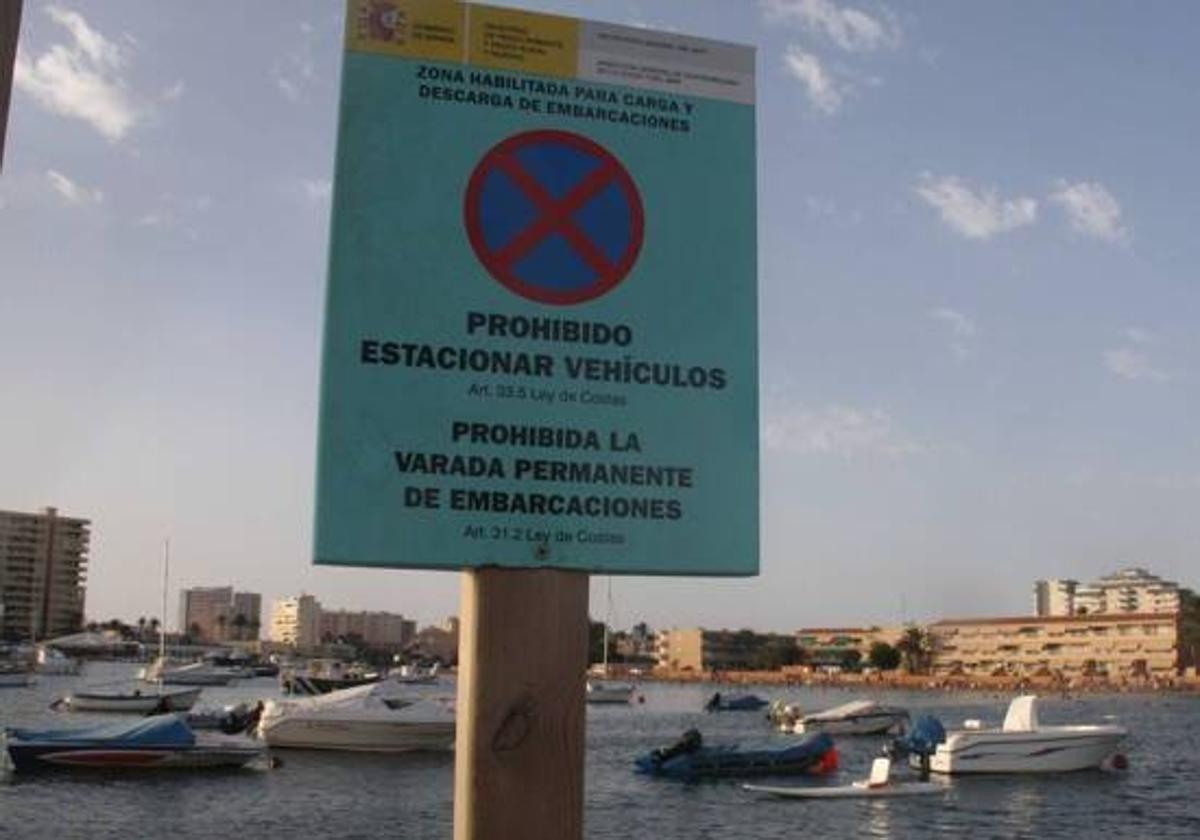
(838, 430)
(317, 189)
(295, 72)
(72, 192)
(975, 213)
(824, 92)
(1091, 209)
(81, 79)
(851, 29)
(1132, 364)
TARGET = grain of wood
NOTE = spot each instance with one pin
(520, 740)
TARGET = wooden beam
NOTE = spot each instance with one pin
(523, 651)
(10, 28)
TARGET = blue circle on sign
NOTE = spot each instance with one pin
(554, 217)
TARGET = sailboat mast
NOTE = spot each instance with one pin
(162, 624)
(607, 618)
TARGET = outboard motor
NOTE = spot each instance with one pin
(921, 740)
(690, 742)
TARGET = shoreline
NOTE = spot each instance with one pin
(935, 684)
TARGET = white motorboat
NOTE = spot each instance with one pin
(365, 718)
(195, 673)
(858, 717)
(599, 691)
(1023, 745)
(133, 702)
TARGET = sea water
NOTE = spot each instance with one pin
(341, 795)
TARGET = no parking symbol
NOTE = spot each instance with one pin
(554, 217)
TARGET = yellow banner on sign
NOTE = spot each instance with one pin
(530, 43)
(432, 29)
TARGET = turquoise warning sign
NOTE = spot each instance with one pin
(540, 343)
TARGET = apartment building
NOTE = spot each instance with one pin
(697, 649)
(832, 645)
(296, 622)
(43, 567)
(383, 630)
(218, 614)
(246, 617)
(1132, 590)
(1116, 645)
(1054, 597)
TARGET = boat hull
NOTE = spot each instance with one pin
(34, 757)
(857, 791)
(177, 701)
(880, 724)
(1047, 750)
(298, 732)
(15, 680)
(598, 693)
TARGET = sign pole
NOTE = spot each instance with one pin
(523, 651)
(10, 27)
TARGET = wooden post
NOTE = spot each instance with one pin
(10, 27)
(523, 652)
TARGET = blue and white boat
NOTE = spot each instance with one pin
(689, 760)
(159, 742)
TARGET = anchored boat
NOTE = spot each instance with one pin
(689, 760)
(159, 742)
(1023, 745)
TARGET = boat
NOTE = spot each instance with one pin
(415, 675)
(162, 741)
(232, 719)
(365, 718)
(602, 691)
(1024, 745)
(689, 760)
(878, 784)
(858, 717)
(53, 662)
(193, 673)
(735, 703)
(132, 702)
(324, 676)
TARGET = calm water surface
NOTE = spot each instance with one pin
(331, 795)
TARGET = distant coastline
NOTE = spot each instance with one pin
(900, 681)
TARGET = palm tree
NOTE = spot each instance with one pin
(239, 622)
(222, 620)
(916, 645)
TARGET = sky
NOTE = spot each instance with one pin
(978, 293)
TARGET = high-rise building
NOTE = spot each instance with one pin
(204, 612)
(1131, 590)
(43, 566)
(296, 621)
(246, 616)
(1054, 597)
(218, 614)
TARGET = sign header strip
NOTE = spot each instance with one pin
(550, 45)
